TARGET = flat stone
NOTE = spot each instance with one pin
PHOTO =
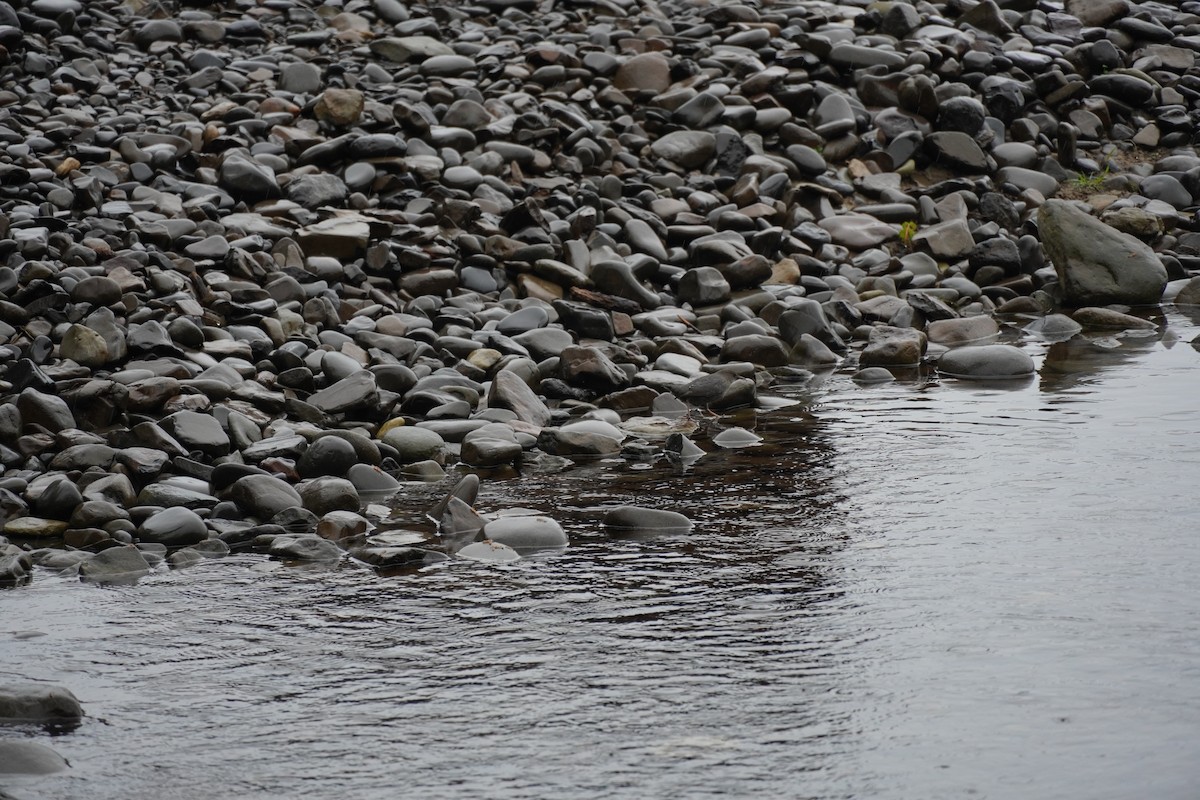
(309, 547)
(356, 391)
(858, 231)
(966, 330)
(986, 362)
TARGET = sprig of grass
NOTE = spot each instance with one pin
(1091, 181)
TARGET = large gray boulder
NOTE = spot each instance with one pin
(1097, 264)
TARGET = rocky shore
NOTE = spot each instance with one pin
(261, 263)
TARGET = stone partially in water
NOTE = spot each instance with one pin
(1053, 327)
(732, 438)
(525, 533)
(633, 520)
(872, 375)
(986, 362)
(893, 347)
(1097, 264)
(117, 565)
(1110, 319)
(18, 757)
(305, 547)
(40, 703)
(489, 552)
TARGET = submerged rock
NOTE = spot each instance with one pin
(633, 520)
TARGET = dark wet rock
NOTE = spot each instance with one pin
(305, 547)
(356, 391)
(583, 444)
(328, 455)
(263, 496)
(197, 431)
(173, 527)
(488, 451)
(314, 191)
(986, 362)
(326, 494)
(370, 480)
(509, 391)
(633, 520)
(245, 177)
(413, 444)
(1097, 264)
(338, 525)
(703, 286)
(591, 369)
(688, 149)
(47, 411)
(58, 500)
(719, 390)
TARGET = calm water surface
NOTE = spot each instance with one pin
(920, 590)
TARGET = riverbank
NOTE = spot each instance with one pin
(264, 264)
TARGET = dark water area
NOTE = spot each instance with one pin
(925, 589)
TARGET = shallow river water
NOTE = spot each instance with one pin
(926, 589)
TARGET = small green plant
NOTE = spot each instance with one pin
(1091, 182)
(907, 231)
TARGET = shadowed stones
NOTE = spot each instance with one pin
(1097, 264)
